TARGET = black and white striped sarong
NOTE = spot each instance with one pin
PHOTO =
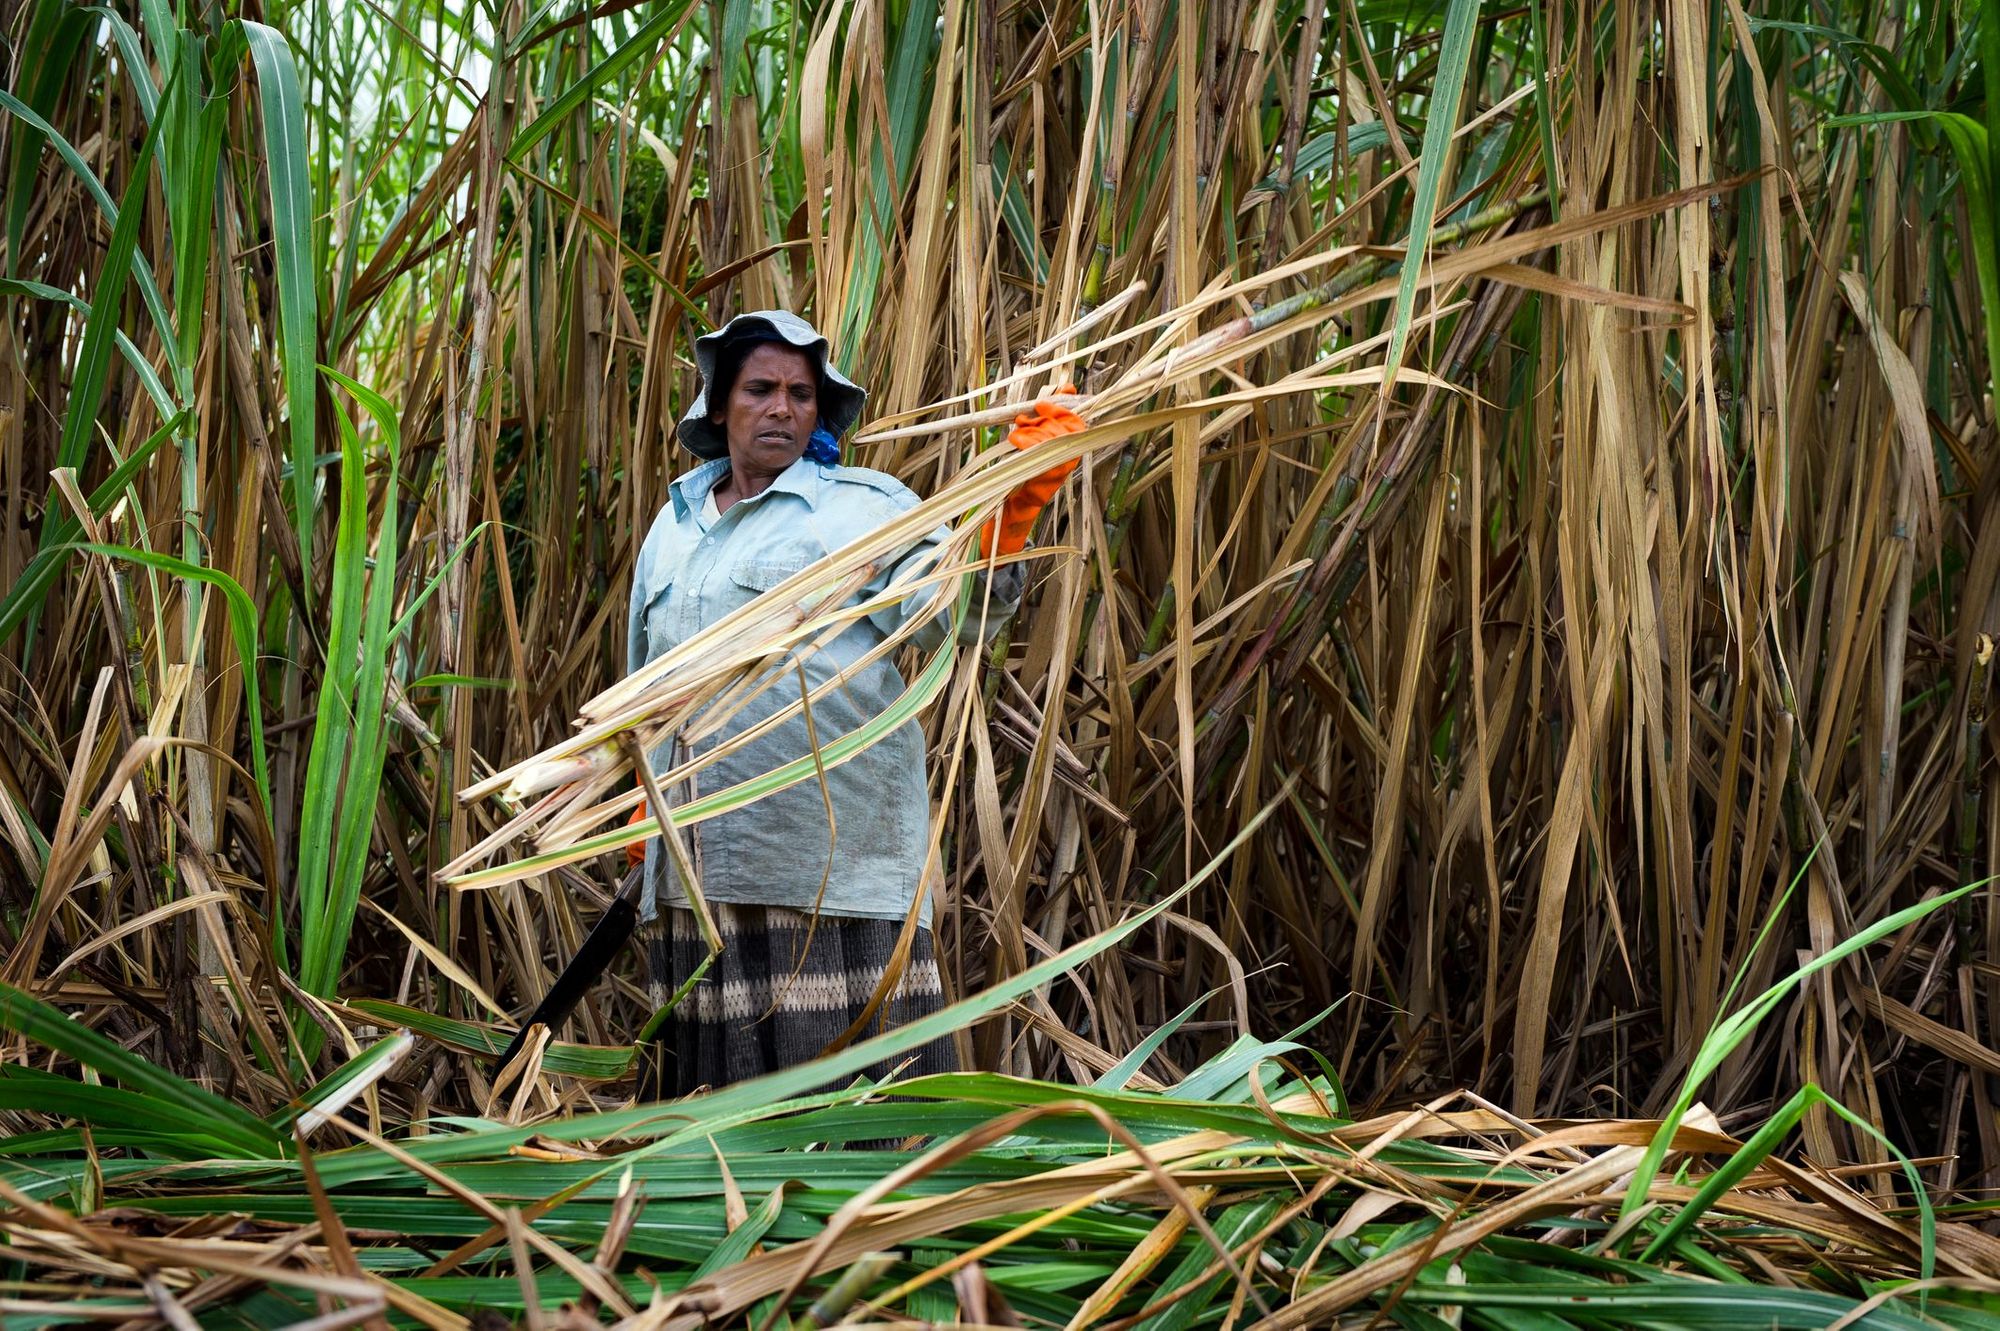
(782, 990)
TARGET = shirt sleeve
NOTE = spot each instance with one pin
(995, 598)
(635, 630)
(635, 612)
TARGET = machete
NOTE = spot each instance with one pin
(609, 934)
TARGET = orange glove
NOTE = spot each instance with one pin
(1017, 516)
(635, 854)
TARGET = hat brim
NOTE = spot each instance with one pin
(840, 399)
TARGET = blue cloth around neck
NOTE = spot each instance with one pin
(823, 447)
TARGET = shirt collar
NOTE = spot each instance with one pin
(691, 489)
(802, 478)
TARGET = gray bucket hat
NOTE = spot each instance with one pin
(840, 398)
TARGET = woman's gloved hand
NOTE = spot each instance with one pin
(1008, 534)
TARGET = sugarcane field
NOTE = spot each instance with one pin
(1146, 665)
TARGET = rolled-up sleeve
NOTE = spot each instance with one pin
(995, 597)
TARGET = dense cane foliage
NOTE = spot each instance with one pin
(1539, 554)
(1242, 1191)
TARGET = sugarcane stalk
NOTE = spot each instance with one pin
(831, 1306)
(1117, 508)
(1156, 631)
(1360, 274)
(1972, 784)
(1100, 257)
(1471, 342)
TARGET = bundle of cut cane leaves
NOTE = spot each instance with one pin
(1242, 1196)
(570, 800)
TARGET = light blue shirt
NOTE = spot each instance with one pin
(697, 565)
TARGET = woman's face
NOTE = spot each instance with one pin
(772, 410)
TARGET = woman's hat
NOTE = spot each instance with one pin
(840, 398)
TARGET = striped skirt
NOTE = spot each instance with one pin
(781, 991)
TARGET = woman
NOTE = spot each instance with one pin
(810, 909)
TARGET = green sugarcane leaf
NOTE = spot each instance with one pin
(744, 1237)
(1128, 1067)
(30, 1017)
(287, 162)
(1190, 1300)
(1847, 47)
(353, 772)
(696, 1118)
(242, 626)
(735, 34)
(93, 357)
(1760, 1146)
(462, 682)
(409, 616)
(1731, 1031)
(594, 1062)
(133, 53)
(367, 1065)
(1461, 24)
(45, 60)
(338, 771)
(182, 1131)
(142, 272)
(142, 369)
(574, 95)
(1680, 1303)
(24, 598)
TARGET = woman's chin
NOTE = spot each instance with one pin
(776, 458)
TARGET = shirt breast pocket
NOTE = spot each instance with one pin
(753, 577)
